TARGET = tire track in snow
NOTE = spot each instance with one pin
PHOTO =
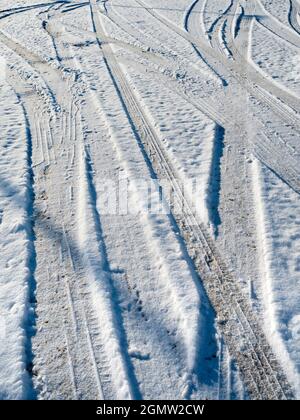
(156, 55)
(85, 123)
(238, 323)
(94, 254)
(21, 9)
(189, 17)
(270, 22)
(283, 171)
(217, 33)
(87, 360)
(249, 78)
(288, 174)
(217, 23)
(262, 142)
(194, 24)
(81, 339)
(180, 304)
(187, 14)
(163, 273)
(41, 68)
(46, 237)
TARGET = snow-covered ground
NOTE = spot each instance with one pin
(17, 259)
(278, 60)
(149, 200)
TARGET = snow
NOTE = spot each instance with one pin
(36, 41)
(212, 11)
(101, 290)
(101, 104)
(16, 252)
(189, 149)
(278, 226)
(171, 45)
(173, 12)
(164, 247)
(279, 10)
(276, 58)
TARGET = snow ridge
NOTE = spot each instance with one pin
(271, 319)
(16, 250)
(92, 249)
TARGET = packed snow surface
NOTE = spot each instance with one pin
(149, 199)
